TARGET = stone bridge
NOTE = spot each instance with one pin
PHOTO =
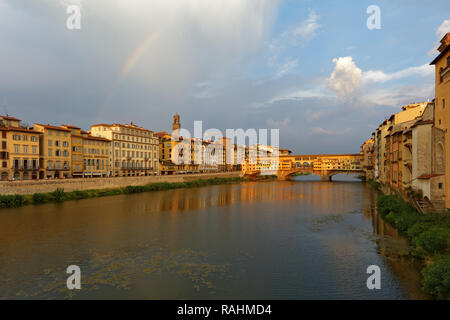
(324, 166)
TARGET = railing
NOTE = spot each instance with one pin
(22, 167)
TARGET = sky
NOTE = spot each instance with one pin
(312, 69)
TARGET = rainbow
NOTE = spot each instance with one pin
(128, 65)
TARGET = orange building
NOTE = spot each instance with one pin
(19, 150)
(442, 101)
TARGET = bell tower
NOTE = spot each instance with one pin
(176, 122)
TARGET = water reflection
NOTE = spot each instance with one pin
(301, 239)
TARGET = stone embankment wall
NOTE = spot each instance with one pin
(43, 186)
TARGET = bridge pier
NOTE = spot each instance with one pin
(325, 178)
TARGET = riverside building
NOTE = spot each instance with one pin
(134, 150)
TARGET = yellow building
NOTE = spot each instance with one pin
(19, 150)
(442, 103)
(55, 145)
(134, 150)
(179, 155)
(77, 150)
(368, 161)
(96, 156)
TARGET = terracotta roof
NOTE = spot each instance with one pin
(19, 129)
(323, 155)
(428, 176)
(443, 52)
(97, 138)
(422, 122)
(10, 118)
(47, 126)
(70, 126)
(129, 126)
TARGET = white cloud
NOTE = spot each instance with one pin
(294, 37)
(308, 29)
(346, 77)
(299, 95)
(286, 68)
(443, 29)
(166, 45)
(322, 131)
(401, 96)
(378, 76)
(278, 124)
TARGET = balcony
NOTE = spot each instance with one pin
(24, 168)
(445, 73)
(64, 168)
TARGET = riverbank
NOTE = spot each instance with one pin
(429, 237)
(61, 195)
(27, 187)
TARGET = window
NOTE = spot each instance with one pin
(49, 152)
(34, 149)
(34, 139)
(50, 143)
(16, 137)
(25, 149)
(16, 148)
(441, 185)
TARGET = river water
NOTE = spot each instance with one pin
(299, 239)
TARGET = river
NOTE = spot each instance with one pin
(298, 239)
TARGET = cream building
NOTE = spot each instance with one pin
(428, 159)
(134, 150)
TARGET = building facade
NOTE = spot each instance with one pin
(19, 150)
(442, 101)
(134, 150)
(55, 145)
(96, 156)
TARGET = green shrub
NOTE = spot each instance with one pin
(78, 195)
(58, 195)
(386, 204)
(12, 201)
(417, 229)
(403, 220)
(133, 189)
(433, 240)
(436, 278)
(39, 198)
(375, 185)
